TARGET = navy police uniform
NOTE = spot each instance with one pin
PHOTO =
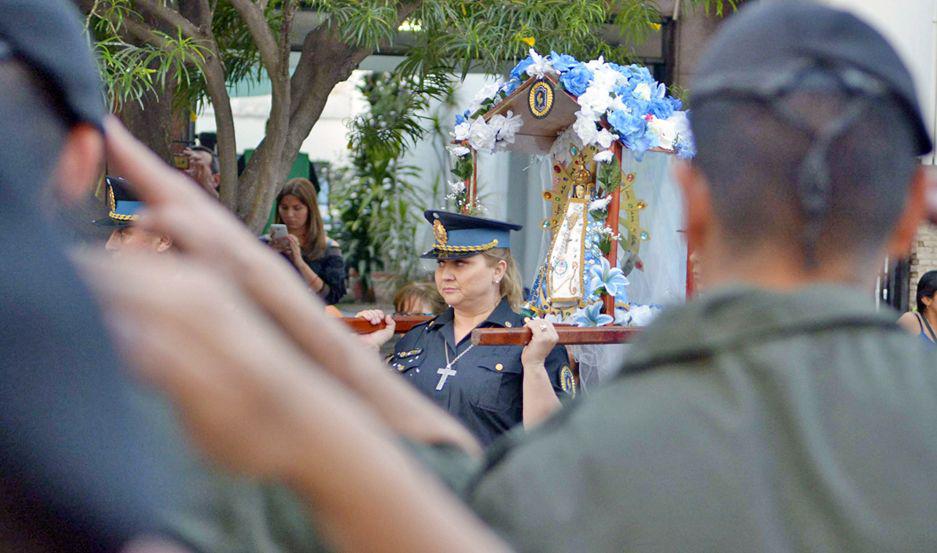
(483, 385)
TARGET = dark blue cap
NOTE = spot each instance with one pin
(122, 203)
(459, 235)
(768, 45)
(48, 37)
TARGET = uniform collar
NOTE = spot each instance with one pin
(742, 314)
(502, 316)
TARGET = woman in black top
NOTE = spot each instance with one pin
(317, 257)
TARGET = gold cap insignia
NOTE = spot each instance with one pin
(439, 232)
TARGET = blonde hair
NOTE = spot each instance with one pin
(511, 287)
(421, 291)
(304, 191)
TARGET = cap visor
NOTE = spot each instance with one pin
(439, 254)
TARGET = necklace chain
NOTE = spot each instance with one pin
(449, 364)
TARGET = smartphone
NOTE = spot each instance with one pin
(179, 158)
(277, 232)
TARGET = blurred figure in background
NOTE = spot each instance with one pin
(203, 168)
(923, 321)
(418, 298)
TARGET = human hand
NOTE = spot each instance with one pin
(295, 250)
(380, 337)
(237, 383)
(200, 170)
(196, 223)
(543, 340)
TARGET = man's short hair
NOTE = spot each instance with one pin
(752, 160)
(215, 169)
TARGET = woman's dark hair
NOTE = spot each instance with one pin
(926, 287)
(302, 190)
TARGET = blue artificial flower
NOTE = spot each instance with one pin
(661, 108)
(462, 117)
(563, 62)
(675, 102)
(640, 143)
(510, 86)
(591, 316)
(603, 276)
(626, 124)
(521, 68)
(576, 80)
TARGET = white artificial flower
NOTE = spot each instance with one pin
(585, 128)
(482, 136)
(665, 130)
(618, 105)
(595, 101)
(458, 150)
(605, 138)
(488, 91)
(642, 315)
(506, 126)
(600, 204)
(456, 186)
(605, 156)
(541, 65)
(595, 65)
(642, 92)
(607, 77)
(461, 131)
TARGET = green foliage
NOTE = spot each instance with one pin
(378, 204)
(609, 175)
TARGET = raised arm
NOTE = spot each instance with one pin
(205, 231)
(256, 404)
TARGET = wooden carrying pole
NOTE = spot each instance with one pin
(568, 335)
(509, 336)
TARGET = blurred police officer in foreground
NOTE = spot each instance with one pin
(782, 412)
(74, 475)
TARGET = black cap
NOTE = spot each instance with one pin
(48, 36)
(764, 44)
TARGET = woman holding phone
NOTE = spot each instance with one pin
(316, 256)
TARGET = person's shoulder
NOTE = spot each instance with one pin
(909, 322)
(332, 247)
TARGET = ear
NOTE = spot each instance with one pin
(697, 204)
(79, 163)
(164, 243)
(501, 267)
(922, 185)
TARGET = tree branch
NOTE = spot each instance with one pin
(205, 15)
(260, 31)
(169, 17)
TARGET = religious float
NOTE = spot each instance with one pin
(615, 252)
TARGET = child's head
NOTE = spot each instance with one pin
(418, 298)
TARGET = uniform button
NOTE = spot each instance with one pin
(499, 367)
(507, 324)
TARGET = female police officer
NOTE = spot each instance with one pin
(489, 388)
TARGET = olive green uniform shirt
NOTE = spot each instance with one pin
(744, 421)
(747, 421)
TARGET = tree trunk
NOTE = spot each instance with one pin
(156, 123)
